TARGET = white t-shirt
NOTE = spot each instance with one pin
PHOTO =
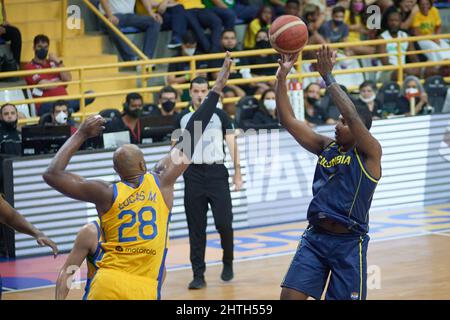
(120, 6)
(391, 48)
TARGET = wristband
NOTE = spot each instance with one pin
(329, 79)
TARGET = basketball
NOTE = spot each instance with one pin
(288, 34)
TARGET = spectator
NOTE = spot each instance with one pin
(367, 98)
(314, 114)
(174, 18)
(413, 94)
(266, 116)
(10, 33)
(188, 48)
(10, 142)
(262, 42)
(168, 97)
(201, 18)
(278, 6)
(229, 43)
(313, 19)
(231, 10)
(427, 21)
(121, 14)
(263, 21)
(393, 31)
(41, 44)
(61, 115)
(129, 121)
(356, 18)
(292, 8)
(407, 10)
(335, 30)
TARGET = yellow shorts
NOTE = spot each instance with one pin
(109, 284)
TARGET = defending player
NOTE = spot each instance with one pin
(347, 173)
(134, 212)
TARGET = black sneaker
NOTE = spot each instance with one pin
(227, 272)
(174, 43)
(197, 283)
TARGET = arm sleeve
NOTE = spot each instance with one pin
(204, 113)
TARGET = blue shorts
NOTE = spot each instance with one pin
(318, 253)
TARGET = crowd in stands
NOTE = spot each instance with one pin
(188, 20)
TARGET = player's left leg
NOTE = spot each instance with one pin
(348, 263)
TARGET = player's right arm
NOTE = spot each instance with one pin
(179, 158)
(85, 243)
(304, 135)
(72, 185)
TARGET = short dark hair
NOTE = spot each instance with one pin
(189, 38)
(310, 85)
(133, 96)
(199, 80)
(168, 89)
(5, 105)
(59, 103)
(40, 38)
(365, 115)
(297, 2)
(228, 30)
(368, 83)
(338, 9)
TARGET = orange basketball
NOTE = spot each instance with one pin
(288, 34)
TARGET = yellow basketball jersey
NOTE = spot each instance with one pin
(91, 260)
(135, 231)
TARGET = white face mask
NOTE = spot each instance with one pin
(412, 91)
(219, 105)
(367, 100)
(189, 51)
(61, 117)
(270, 104)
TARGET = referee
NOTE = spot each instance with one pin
(206, 182)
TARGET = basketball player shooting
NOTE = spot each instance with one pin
(134, 212)
(346, 175)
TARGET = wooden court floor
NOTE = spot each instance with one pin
(410, 268)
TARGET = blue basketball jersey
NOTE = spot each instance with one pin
(342, 189)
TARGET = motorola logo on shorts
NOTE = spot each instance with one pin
(119, 248)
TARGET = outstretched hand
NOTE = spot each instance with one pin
(224, 73)
(326, 59)
(43, 240)
(92, 126)
(286, 63)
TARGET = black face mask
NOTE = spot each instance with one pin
(313, 101)
(10, 126)
(41, 53)
(262, 44)
(338, 23)
(168, 106)
(136, 113)
(229, 49)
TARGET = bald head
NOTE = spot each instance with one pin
(129, 161)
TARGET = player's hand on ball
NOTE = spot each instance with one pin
(92, 126)
(326, 59)
(286, 63)
(43, 241)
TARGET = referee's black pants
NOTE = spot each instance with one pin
(207, 184)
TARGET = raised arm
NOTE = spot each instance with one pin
(84, 243)
(366, 143)
(174, 164)
(304, 135)
(74, 186)
(13, 219)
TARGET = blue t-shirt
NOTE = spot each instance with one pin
(331, 35)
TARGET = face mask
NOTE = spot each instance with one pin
(229, 49)
(412, 91)
(168, 106)
(41, 53)
(358, 7)
(270, 104)
(136, 113)
(262, 44)
(313, 101)
(10, 125)
(367, 100)
(219, 105)
(338, 23)
(61, 118)
(189, 51)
